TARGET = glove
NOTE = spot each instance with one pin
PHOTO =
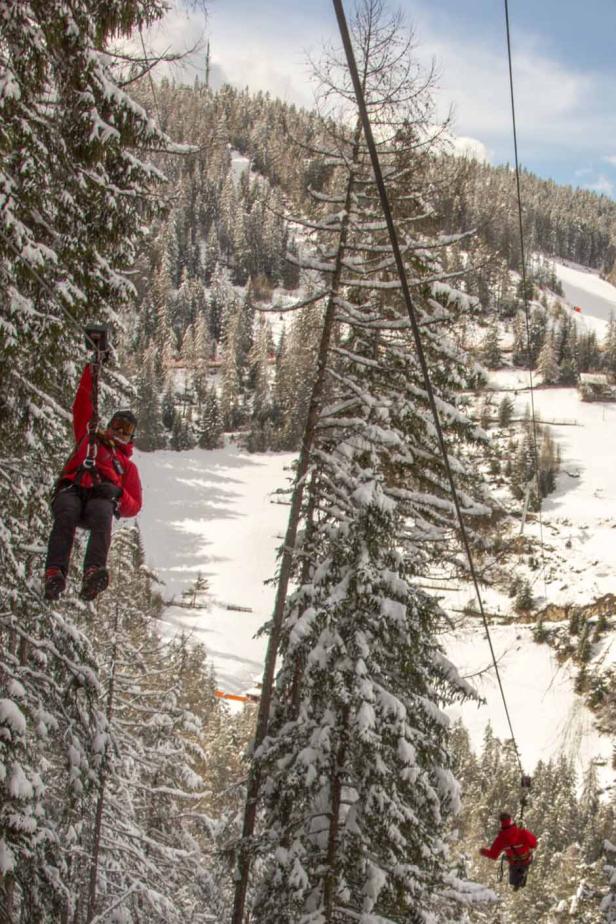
(108, 491)
(484, 852)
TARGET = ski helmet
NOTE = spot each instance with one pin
(124, 417)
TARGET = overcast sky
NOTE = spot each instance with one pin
(563, 58)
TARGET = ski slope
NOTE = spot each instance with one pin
(585, 289)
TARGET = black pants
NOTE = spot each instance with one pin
(518, 872)
(74, 506)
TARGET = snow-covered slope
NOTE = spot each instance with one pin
(214, 513)
(546, 715)
(585, 289)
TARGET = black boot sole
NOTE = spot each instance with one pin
(95, 585)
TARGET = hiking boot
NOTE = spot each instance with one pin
(55, 582)
(95, 580)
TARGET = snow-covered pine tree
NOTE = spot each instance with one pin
(294, 376)
(49, 720)
(211, 425)
(148, 386)
(587, 356)
(230, 391)
(352, 668)
(261, 417)
(491, 355)
(505, 412)
(376, 472)
(547, 365)
(608, 904)
(75, 192)
(146, 851)
(358, 783)
(609, 346)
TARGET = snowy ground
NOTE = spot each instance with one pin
(213, 513)
(546, 716)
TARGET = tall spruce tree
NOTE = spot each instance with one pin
(75, 192)
(376, 497)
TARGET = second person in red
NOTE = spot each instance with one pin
(518, 844)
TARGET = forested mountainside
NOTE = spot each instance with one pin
(223, 250)
(235, 247)
(559, 221)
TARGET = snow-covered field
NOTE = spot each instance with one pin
(213, 513)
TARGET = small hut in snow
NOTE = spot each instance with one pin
(596, 386)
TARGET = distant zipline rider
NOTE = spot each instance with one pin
(97, 481)
(518, 844)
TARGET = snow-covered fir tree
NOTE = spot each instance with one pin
(547, 365)
(76, 188)
(375, 500)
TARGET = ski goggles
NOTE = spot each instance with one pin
(122, 428)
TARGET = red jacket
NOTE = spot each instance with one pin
(518, 843)
(113, 462)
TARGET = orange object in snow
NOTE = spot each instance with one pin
(237, 697)
(577, 308)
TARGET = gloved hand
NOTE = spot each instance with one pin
(109, 491)
(484, 852)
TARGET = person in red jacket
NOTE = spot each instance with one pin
(89, 494)
(518, 844)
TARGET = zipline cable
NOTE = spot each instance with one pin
(412, 313)
(525, 290)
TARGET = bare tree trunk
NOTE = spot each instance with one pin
(329, 886)
(288, 549)
(100, 804)
(7, 898)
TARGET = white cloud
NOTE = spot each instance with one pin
(610, 159)
(178, 33)
(471, 148)
(550, 99)
(247, 52)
